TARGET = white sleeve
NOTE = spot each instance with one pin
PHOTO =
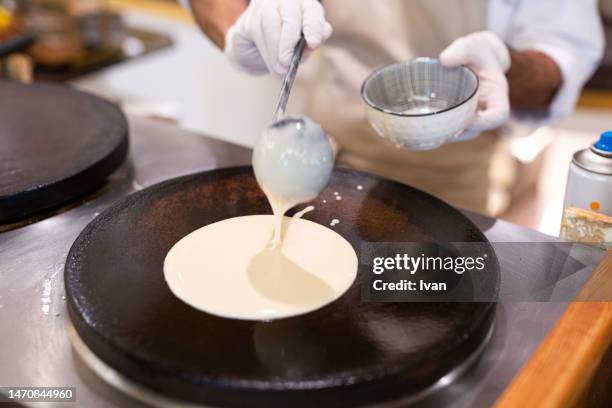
(568, 31)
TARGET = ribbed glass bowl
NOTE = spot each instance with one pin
(420, 104)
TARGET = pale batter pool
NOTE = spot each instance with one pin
(230, 269)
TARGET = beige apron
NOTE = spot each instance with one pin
(369, 34)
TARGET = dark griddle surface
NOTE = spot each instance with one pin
(344, 354)
(56, 144)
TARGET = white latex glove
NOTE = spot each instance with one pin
(264, 37)
(487, 55)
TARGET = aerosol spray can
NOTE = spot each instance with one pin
(589, 185)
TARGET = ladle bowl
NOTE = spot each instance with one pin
(293, 159)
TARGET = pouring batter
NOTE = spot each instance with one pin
(292, 161)
(237, 268)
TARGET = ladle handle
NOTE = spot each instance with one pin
(281, 105)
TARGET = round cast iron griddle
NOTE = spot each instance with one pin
(345, 354)
(57, 144)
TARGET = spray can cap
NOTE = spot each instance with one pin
(604, 143)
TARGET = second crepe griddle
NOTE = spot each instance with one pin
(346, 354)
(57, 144)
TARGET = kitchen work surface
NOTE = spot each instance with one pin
(36, 350)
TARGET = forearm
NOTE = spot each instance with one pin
(534, 78)
(215, 17)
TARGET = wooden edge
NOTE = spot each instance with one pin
(599, 286)
(560, 370)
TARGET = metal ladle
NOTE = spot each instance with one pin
(293, 158)
(281, 105)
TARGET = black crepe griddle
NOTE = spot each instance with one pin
(57, 144)
(345, 354)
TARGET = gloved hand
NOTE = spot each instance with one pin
(264, 37)
(486, 54)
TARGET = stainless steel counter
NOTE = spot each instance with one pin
(34, 345)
